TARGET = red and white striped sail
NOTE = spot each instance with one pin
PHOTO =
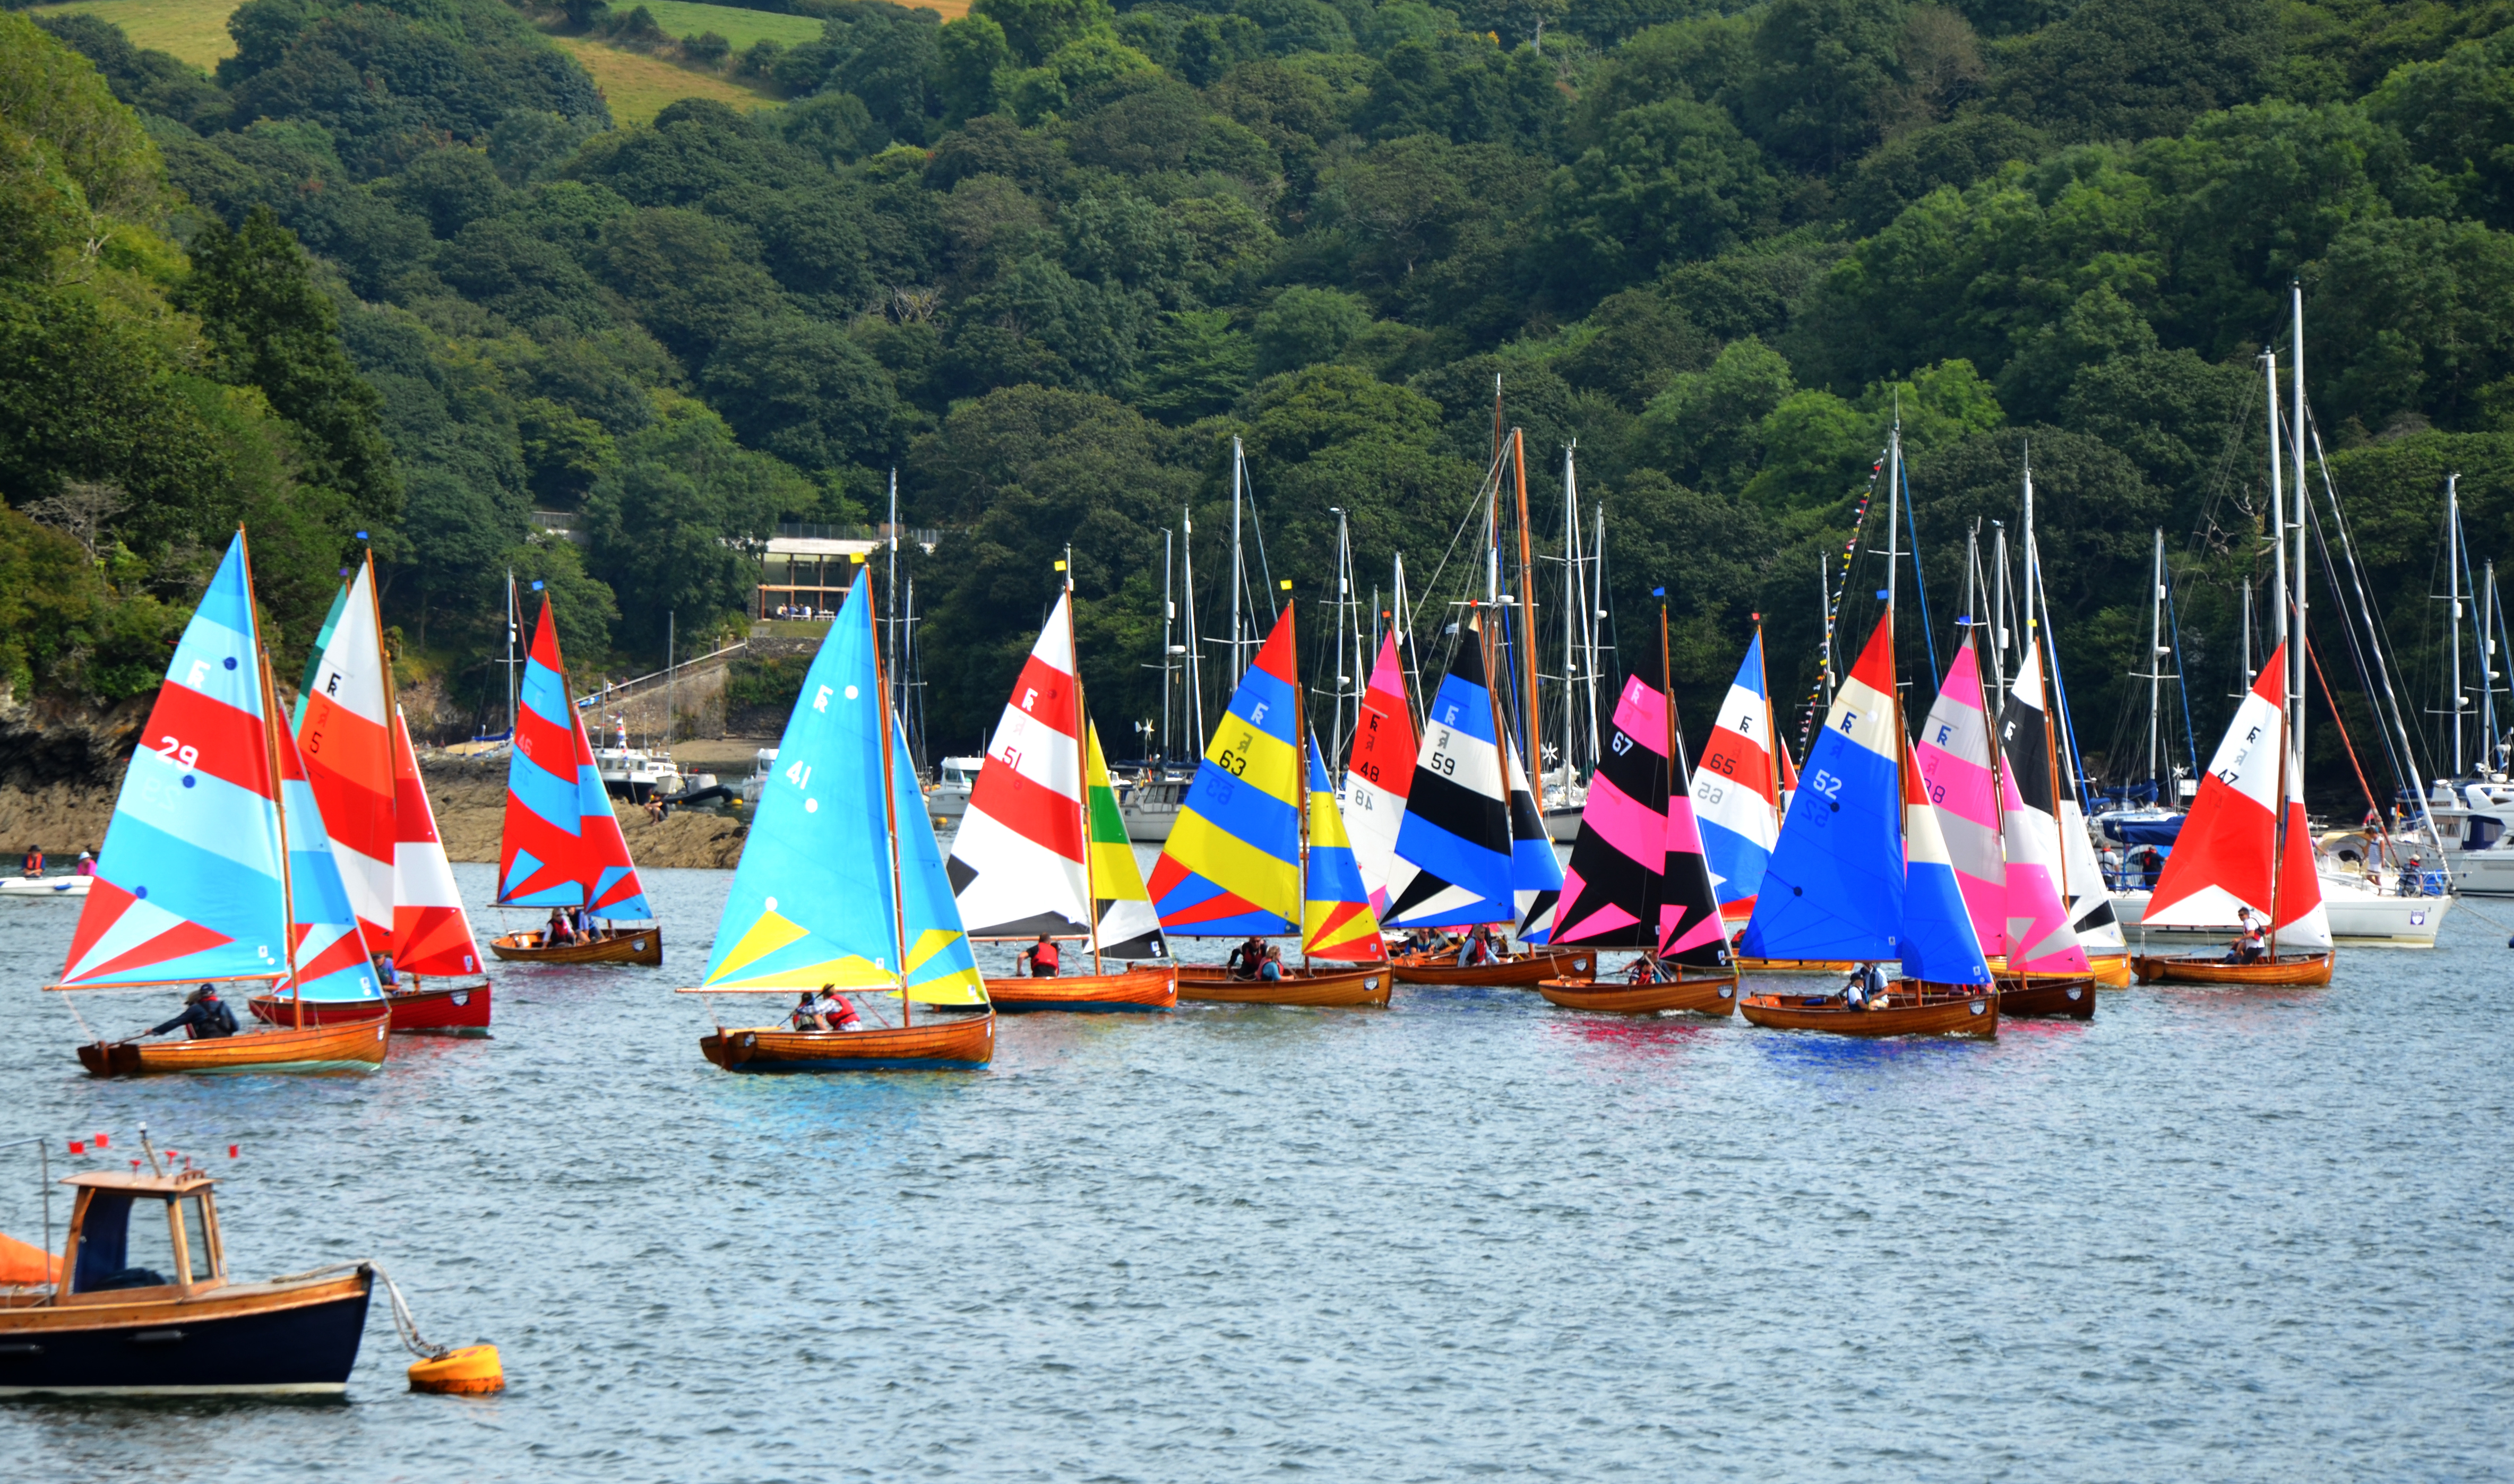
(432, 934)
(1382, 771)
(2225, 856)
(1017, 862)
(345, 737)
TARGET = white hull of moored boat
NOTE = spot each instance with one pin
(44, 886)
(2358, 919)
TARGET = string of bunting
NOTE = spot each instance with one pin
(1833, 604)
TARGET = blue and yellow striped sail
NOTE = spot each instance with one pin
(1336, 919)
(811, 903)
(1233, 865)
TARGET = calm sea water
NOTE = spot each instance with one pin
(2212, 1235)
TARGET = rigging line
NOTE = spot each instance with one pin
(1920, 584)
(2314, 657)
(2182, 684)
(1475, 512)
(2356, 650)
(1815, 701)
(2386, 651)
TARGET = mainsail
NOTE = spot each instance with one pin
(2228, 856)
(1535, 871)
(344, 732)
(1954, 756)
(1376, 785)
(1336, 918)
(1017, 862)
(1834, 889)
(1937, 941)
(1126, 923)
(1454, 849)
(811, 901)
(1613, 888)
(1732, 791)
(432, 934)
(187, 882)
(1690, 928)
(332, 952)
(561, 845)
(1232, 868)
(2039, 936)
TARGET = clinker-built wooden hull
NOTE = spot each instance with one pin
(2110, 971)
(1143, 987)
(2048, 994)
(956, 1043)
(1932, 1014)
(1706, 993)
(1318, 987)
(2301, 969)
(354, 1046)
(459, 1010)
(644, 945)
(1519, 971)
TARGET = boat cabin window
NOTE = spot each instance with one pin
(124, 1242)
(198, 1256)
(2484, 831)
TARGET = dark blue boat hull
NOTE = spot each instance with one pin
(305, 1349)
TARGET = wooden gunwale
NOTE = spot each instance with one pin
(2299, 969)
(1705, 994)
(642, 946)
(353, 1046)
(1937, 1011)
(2111, 971)
(1796, 965)
(960, 1043)
(2048, 994)
(1524, 970)
(1140, 987)
(406, 1005)
(1320, 988)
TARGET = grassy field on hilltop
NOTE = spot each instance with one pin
(741, 28)
(192, 31)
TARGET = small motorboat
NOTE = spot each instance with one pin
(1524, 970)
(2297, 968)
(953, 1043)
(612, 945)
(148, 1307)
(1910, 1009)
(2069, 995)
(1140, 987)
(454, 1010)
(1701, 991)
(1320, 987)
(44, 886)
(353, 1046)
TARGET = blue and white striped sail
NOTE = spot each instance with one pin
(1834, 888)
(1535, 870)
(811, 901)
(1452, 866)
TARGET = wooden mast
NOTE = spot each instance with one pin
(1526, 632)
(1300, 772)
(278, 787)
(1772, 733)
(1082, 747)
(889, 811)
(393, 747)
(1666, 699)
(1501, 736)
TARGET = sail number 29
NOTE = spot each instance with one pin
(177, 753)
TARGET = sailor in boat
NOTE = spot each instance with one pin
(388, 977)
(1042, 958)
(1478, 948)
(836, 1013)
(205, 1017)
(1865, 989)
(806, 1015)
(1246, 960)
(86, 866)
(1273, 968)
(34, 863)
(1643, 970)
(2247, 948)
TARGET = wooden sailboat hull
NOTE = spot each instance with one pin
(1703, 993)
(960, 1043)
(1842, 966)
(2048, 994)
(645, 946)
(459, 1010)
(1322, 987)
(2110, 971)
(1519, 971)
(294, 1338)
(1934, 1012)
(1141, 989)
(2300, 969)
(351, 1046)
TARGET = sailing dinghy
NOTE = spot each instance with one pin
(215, 867)
(2230, 857)
(1259, 851)
(1028, 861)
(561, 846)
(1736, 791)
(1381, 774)
(1638, 877)
(375, 809)
(842, 888)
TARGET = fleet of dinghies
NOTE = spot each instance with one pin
(1945, 870)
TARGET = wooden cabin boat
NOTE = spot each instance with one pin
(1701, 991)
(616, 945)
(147, 1308)
(2297, 968)
(956, 1043)
(456, 1010)
(1912, 1009)
(2069, 995)
(841, 887)
(1316, 988)
(1516, 971)
(1140, 987)
(351, 1046)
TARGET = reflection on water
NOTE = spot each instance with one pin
(2212, 1234)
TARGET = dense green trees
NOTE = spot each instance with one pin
(1048, 258)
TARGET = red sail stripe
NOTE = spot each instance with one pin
(1029, 809)
(349, 761)
(183, 938)
(228, 744)
(1274, 657)
(1045, 694)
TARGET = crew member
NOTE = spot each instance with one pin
(1042, 957)
(205, 1017)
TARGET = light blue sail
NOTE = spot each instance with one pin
(942, 968)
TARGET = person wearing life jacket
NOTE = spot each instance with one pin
(1272, 969)
(1042, 957)
(1865, 989)
(34, 861)
(1478, 949)
(1246, 959)
(205, 1017)
(1642, 971)
(2247, 948)
(836, 1013)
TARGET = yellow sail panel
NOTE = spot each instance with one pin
(1115, 875)
(1336, 919)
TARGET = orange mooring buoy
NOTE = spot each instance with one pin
(472, 1370)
